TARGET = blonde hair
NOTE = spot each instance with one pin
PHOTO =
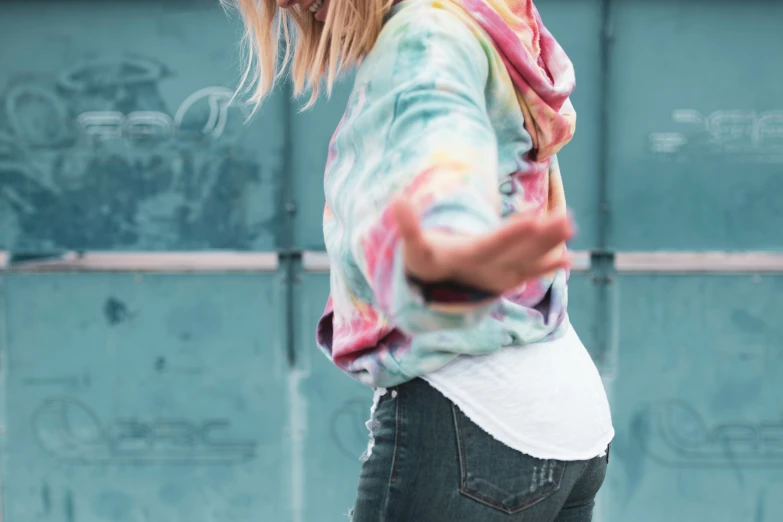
(321, 51)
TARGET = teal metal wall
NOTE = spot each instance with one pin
(115, 133)
(171, 374)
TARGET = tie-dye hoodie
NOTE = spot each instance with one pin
(461, 107)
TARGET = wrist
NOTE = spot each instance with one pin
(448, 291)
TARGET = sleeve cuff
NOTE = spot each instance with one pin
(424, 307)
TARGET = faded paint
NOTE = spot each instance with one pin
(100, 410)
(749, 135)
(3, 392)
(69, 507)
(696, 398)
(297, 428)
(97, 163)
(115, 311)
(128, 136)
(710, 176)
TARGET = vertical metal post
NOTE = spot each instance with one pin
(604, 207)
(602, 260)
(287, 250)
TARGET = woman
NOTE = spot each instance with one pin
(445, 225)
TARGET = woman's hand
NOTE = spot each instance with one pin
(525, 247)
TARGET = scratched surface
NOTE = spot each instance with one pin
(697, 400)
(116, 132)
(311, 132)
(577, 24)
(137, 398)
(583, 311)
(128, 398)
(696, 109)
(336, 409)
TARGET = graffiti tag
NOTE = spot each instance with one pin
(674, 434)
(156, 125)
(723, 131)
(71, 431)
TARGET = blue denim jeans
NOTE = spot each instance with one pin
(430, 463)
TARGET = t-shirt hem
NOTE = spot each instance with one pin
(486, 422)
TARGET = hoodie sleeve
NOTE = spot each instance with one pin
(439, 152)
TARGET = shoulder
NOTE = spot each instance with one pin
(438, 16)
(432, 35)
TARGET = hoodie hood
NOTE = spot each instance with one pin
(539, 68)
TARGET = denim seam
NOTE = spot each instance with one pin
(396, 438)
(586, 464)
(486, 500)
(393, 473)
(462, 471)
(578, 506)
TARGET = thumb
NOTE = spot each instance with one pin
(407, 224)
(409, 228)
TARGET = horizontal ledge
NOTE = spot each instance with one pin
(698, 262)
(316, 261)
(319, 261)
(148, 262)
(580, 261)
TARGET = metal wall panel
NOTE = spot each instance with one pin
(116, 133)
(584, 311)
(311, 131)
(135, 397)
(144, 397)
(578, 26)
(335, 408)
(697, 399)
(696, 126)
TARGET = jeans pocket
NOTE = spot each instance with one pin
(498, 476)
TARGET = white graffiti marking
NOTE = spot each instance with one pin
(724, 130)
(102, 125)
(667, 142)
(219, 100)
(45, 104)
(109, 125)
(148, 124)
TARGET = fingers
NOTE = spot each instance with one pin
(409, 228)
(407, 224)
(561, 262)
(517, 226)
(551, 233)
(536, 236)
(545, 267)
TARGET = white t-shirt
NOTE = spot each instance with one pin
(546, 399)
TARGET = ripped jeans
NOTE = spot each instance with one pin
(427, 462)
